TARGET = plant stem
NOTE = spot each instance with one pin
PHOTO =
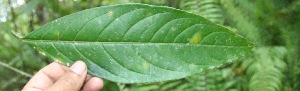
(15, 69)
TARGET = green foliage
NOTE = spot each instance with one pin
(16, 60)
(269, 23)
(241, 21)
(210, 9)
(289, 26)
(266, 68)
(180, 43)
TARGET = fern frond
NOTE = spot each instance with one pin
(209, 9)
(290, 31)
(207, 81)
(175, 85)
(241, 21)
(266, 69)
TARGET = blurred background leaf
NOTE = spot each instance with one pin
(273, 25)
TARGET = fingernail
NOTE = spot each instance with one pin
(78, 67)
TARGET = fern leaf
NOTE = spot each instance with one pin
(242, 22)
(209, 9)
(266, 69)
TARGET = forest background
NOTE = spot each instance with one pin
(273, 25)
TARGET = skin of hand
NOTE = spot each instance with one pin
(57, 77)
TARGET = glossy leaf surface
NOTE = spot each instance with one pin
(135, 43)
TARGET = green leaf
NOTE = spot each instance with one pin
(135, 43)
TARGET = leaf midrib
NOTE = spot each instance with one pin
(133, 43)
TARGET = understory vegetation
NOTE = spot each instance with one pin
(273, 25)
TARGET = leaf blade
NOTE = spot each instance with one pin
(139, 43)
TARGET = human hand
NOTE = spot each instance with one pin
(57, 77)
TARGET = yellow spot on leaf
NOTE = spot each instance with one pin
(146, 65)
(150, 18)
(196, 38)
(149, 14)
(110, 13)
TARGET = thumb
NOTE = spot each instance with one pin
(72, 80)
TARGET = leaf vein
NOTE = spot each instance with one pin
(106, 51)
(180, 32)
(186, 30)
(85, 25)
(78, 51)
(141, 56)
(52, 44)
(211, 34)
(113, 21)
(152, 37)
(142, 20)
